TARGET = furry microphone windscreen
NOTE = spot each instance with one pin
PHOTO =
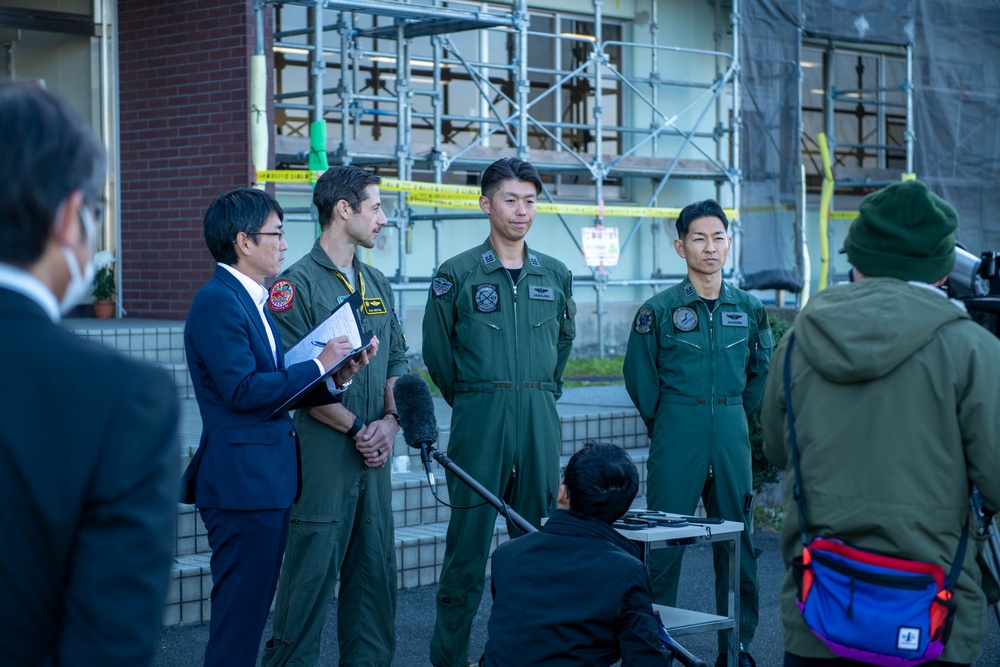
(416, 410)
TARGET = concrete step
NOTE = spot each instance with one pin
(421, 524)
(419, 558)
(413, 503)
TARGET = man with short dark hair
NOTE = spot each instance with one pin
(576, 594)
(498, 329)
(342, 525)
(88, 437)
(245, 474)
(894, 397)
(695, 367)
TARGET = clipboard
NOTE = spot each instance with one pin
(342, 321)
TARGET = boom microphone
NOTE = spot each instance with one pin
(416, 410)
(420, 431)
(416, 417)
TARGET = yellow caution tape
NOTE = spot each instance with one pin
(396, 185)
(288, 176)
(466, 197)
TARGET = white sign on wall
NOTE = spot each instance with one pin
(600, 246)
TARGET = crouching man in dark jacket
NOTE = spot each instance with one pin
(576, 593)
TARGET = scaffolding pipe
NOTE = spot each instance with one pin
(346, 89)
(522, 83)
(259, 130)
(717, 35)
(737, 129)
(597, 57)
(401, 11)
(403, 141)
(318, 62)
(910, 136)
(437, 104)
(654, 79)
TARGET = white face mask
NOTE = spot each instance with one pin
(80, 282)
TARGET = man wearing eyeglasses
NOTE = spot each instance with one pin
(342, 525)
(245, 475)
(88, 437)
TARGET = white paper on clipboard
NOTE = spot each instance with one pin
(343, 321)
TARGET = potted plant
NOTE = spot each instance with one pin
(104, 285)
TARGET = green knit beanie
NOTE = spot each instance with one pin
(903, 231)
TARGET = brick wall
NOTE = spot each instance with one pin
(184, 76)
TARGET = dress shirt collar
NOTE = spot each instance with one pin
(256, 291)
(22, 282)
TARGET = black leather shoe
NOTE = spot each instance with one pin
(743, 660)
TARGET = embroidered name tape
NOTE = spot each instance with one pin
(541, 293)
(735, 320)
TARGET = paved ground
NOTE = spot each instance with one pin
(184, 646)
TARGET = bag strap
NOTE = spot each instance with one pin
(797, 489)
(956, 566)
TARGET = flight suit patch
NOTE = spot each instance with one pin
(489, 257)
(684, 319)
(374, 306)
(689, 290)
(533, 260)
(644, 320)
(735, 320)
(487, 298)
(281, 296)
(541, 293)
(441, 286)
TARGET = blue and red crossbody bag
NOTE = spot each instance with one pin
(864, 605)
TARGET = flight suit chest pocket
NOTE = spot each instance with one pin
(734, 327)
(473, 329)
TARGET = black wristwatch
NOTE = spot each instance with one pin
(358, 425)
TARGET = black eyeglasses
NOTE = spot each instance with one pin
(280, 234)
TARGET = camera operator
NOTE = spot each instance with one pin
(894, 393)
(576, 593)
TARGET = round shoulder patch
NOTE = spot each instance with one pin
(644, 320)
(282, 296)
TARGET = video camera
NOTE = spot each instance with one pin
(975, 282)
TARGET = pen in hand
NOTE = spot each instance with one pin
(319, 343)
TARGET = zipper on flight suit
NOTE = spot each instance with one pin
(711, 393)
(517, 356)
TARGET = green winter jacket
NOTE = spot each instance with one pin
(895, 393)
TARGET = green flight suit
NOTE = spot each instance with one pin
(342, 523)
(496, 351)
(695, 378)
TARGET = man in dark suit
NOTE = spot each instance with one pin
(88, 438)
(246, 472)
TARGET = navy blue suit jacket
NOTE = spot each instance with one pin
(245, 461)
(88, 483)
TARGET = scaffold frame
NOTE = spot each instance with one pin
(644, 149)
